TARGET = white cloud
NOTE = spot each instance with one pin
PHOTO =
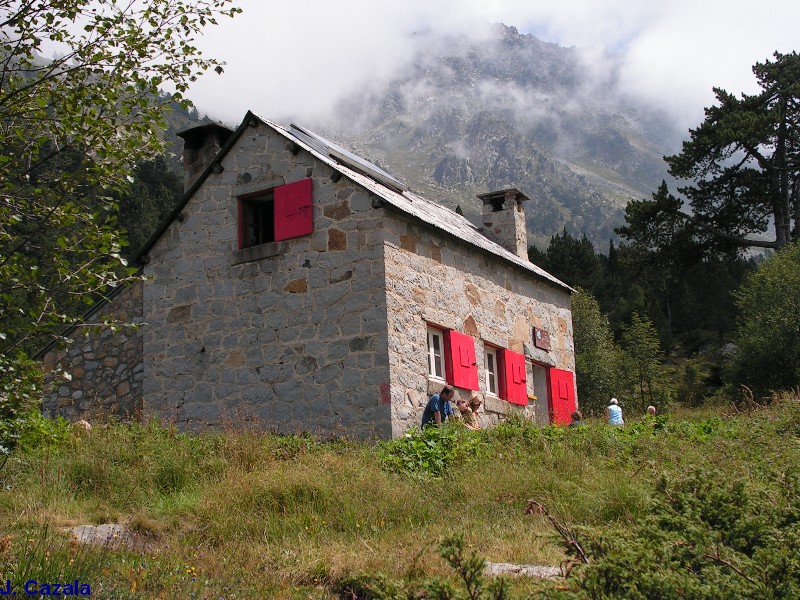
(295, 60)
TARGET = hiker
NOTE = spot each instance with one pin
(438, 408)
(577, 419)
(614, 413)
(467, 415)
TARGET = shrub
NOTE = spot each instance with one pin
(768, 328)
(705, 537)
(598, 360)
(20, 387)
(431, 451)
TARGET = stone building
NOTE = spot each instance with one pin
(300, 288)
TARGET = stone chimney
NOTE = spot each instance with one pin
(200, 145)
(504, 220)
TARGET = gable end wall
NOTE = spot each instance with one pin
(290, 340)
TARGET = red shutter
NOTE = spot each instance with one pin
(514, 386)
(562, 396)
(462, 366)
(293, 210)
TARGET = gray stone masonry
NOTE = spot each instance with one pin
(433, 279)
(99, 376)
(290, 337)
(323, 333)
(503, 220)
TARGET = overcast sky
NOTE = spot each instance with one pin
(294, 59)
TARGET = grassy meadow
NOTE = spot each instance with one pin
(248, 515)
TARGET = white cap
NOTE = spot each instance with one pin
(614, 401)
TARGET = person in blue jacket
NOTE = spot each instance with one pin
(438, 408)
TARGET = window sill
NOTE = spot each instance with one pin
(257, 252)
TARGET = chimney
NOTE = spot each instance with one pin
(200, 145)
(504, 220)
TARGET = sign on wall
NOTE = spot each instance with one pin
(541, 338)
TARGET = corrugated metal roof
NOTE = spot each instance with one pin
(384, 185)
(406, 201)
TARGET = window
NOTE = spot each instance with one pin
(505, 374)
(274, 215)
(451, 358)
(490, 365)
(435, 353)
(257, 220)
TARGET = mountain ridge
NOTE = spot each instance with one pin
(463, 117)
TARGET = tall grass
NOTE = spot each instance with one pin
(242, 514)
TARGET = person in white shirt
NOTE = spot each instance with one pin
(614, 412)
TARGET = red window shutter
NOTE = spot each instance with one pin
(462, 365)
(514, 385)
(562, 396)
(293, 210)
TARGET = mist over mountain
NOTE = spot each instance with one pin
(466, 116)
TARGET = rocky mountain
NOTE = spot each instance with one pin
(465, 116)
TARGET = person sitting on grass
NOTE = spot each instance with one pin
(577, 419)
(614, 413)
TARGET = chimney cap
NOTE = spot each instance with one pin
(194, 136)
(514, 193)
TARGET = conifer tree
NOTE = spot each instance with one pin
(739, 170)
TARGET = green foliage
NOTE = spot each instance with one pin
(431, 451)
(48, 557)
(38, 431)
(572, 260)
(20, 386)
(759, 132)
(598, 361)
(741, 171)
(689, 286)
(469, 568)
(768, 353)
(706, 537)
(643, 358)
(153, 194)
(74, 127)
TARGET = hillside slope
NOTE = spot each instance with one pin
(464, 117)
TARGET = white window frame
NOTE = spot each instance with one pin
(436, 362)
(492, 377)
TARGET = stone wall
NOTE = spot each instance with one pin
(103, 369)
(434, 279)
(289, 336)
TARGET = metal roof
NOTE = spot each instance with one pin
(396, 194)
(387, 187)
